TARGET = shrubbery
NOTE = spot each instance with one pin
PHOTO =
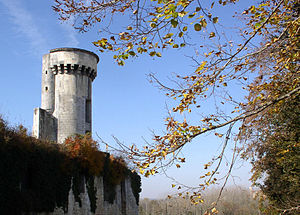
(36, 175)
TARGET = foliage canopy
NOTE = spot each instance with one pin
(262, 64)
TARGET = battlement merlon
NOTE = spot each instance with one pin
(73, 58)
(75, 69)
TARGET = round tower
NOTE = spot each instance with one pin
(67, 78)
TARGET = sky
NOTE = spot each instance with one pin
(125, 104)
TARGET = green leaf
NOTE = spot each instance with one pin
(175, 14)
(158, 54)
(257, 25)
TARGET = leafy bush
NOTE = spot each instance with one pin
(85, 150)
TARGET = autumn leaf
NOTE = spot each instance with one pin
(197, 27)
(215, 20)
(158, 54)
(212, 34)
(174, 23)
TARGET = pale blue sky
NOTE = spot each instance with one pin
(125, 104)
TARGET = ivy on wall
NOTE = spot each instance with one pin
(135, 185)
(36, 176)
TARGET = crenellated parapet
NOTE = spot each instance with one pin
(74, 69)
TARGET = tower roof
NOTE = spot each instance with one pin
(75, 49)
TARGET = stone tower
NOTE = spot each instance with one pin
(66, 109)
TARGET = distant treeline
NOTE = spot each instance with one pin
(234, 201)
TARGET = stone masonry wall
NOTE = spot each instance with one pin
(44, 125)
(102, 207)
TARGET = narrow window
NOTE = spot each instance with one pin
(46, 72)
(46, 88)
(88, 111)
(89, 90)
